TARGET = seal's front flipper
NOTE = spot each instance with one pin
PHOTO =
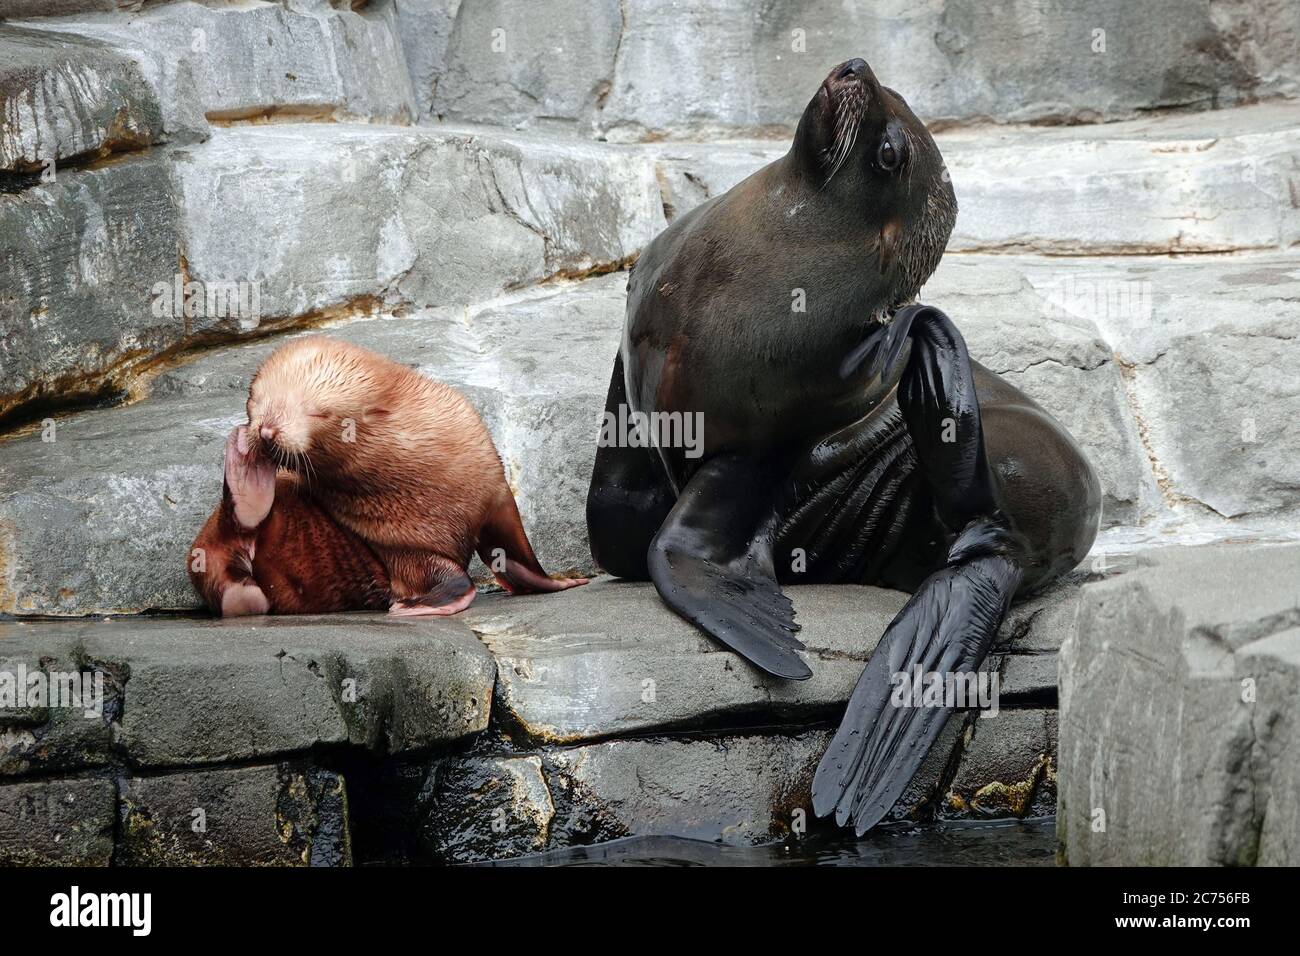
(945, 629)
(712, 563)
(947, 626)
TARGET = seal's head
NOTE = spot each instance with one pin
(309, 400)
(878, 171)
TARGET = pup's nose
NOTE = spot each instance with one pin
(269, 432)
(855, 67)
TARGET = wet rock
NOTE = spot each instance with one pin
(738, 790)
(488, 809)
(57, 822)
(1178, 712)
(68, 727)
(64, 98)
(284, 815)
(1003, 764)
(209, 691)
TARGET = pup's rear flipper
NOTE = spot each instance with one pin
(946, 628)
(712, 563)
(504, 547)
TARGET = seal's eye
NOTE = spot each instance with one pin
(887, 157)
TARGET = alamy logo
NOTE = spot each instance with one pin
(22, 689)
(629, 429)
(952, 690)
(212, 300)
(103, 909)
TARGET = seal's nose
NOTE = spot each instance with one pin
(269, 433)
(854, 67)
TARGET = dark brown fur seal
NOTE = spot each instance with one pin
(850, 440)
(389, 481)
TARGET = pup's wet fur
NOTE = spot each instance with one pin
(358, 483)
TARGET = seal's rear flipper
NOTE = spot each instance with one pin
(947, 626)
(712, 563)
(945, 629)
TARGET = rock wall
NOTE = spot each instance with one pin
(460, 184)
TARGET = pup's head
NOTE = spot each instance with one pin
(314, 399)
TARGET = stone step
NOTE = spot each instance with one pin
(594, 714)
(290, 225)
(66, 98)
(97, 509)
(655, 68)
(114, 269)
(659, 68)
(215, 63)
(1219, 181)
(182, 692)
(1180, 713)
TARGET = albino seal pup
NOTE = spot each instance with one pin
(388, 482)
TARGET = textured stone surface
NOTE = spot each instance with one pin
(487, 808)
(57, 822)
(1204, 182)
(79, 258)
(205, 691)
(241, 61)
(54, 737)
(611, 660)
(58, 8)
(62, 98)
(1004, 764)
(284, 815)
(1179, 693)
(1207, 355)
(738, 790)
(659, 67)
(508, 62)
(424, 28)
(1207, 182)
(325, 215)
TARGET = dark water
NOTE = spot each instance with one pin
(1006, 843)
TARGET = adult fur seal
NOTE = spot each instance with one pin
(853, 441)
(390, 482)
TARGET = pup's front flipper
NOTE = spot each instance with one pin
(947, 626)
(227, 543)
(249, 488)
(441, 587)
(712, 563)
